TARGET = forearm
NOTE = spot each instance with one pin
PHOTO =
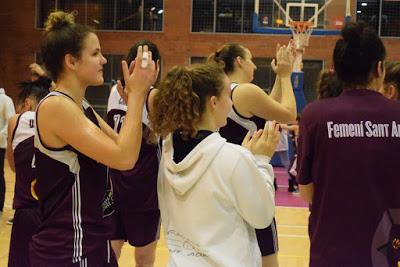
(288, 100)
(276, 92)
(130, 135)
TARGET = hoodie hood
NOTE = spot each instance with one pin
(183, 176)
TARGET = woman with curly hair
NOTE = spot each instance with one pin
(209, 203)
(328, 85)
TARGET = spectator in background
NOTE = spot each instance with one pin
(6, 112)
(391, 85)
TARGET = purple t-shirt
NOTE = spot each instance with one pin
(349, 148)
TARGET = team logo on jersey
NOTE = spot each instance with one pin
(108, 199)
(386, 241)
(33, 189)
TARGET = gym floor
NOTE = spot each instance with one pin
(291, 217)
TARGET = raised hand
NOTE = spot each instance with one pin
(140, 75)
(283, 65)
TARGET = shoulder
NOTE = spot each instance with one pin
(58, 107)
(317, 107)
(12, 122)
(249, 91)
(249, 88)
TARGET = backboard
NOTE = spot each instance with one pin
(326, 17)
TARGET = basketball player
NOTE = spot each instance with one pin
(252, 107)
(137, 217)
(348, 157)
(74, 146)
(212, 193)
(20, 150)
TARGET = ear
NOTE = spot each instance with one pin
(392, 92)
(380, 69)
(213, 102)
(70, 61)
(239, 60)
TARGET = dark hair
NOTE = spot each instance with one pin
(62, 36)
(182, 97)
(133, 52)
(392, 76)
(227, 55)
(37, 89)
(328, 85)
(357, 53)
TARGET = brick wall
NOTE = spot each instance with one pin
(20, 40)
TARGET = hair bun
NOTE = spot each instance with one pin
(58, 20)
(352, 33)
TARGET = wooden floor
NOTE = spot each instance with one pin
(292, 230)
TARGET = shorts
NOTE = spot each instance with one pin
(101, 257)
(25, 224)
(139, 228)
(267, 239)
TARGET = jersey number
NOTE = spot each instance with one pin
(118, 121)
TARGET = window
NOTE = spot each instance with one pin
(368, 11)
(129, 15)
(383, 15)
(222, 16)
(264, 76)
(390, 19)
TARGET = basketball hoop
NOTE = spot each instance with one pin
(301, 31)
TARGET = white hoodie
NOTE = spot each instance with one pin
(211, 202)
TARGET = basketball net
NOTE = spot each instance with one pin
(301, 31)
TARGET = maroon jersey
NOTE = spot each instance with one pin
(237, 126)
(23, 149)
(74, 198)
(136, 189)
(349, 148)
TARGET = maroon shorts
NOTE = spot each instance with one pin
(102, 257)
(268, 239)
(139, 228)
(25, 224)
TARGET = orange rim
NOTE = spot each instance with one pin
(300, 26)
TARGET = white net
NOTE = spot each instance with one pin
(301, 32)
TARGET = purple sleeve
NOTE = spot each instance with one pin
(305, 151)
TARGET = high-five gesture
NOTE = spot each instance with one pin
(141, 72)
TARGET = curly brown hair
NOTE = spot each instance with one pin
(328, 85)
(182, 97)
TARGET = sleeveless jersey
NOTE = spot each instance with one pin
(23, 150)
(237, 126)
(136, 189)
(75, 196)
